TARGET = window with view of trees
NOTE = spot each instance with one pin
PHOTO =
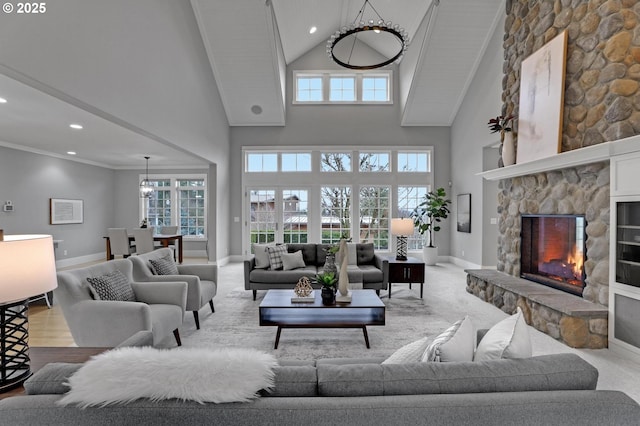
(349, 193)
(180, 201)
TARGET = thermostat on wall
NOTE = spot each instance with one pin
(8, 206)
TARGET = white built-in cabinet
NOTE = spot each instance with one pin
(624, 255)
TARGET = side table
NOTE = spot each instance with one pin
(406, 272)
(40, 356)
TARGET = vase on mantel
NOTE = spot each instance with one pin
(508, 149)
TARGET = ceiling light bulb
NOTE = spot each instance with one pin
(3, 101)
(75, 126)
(313, 29)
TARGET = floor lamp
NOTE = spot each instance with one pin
(27, 269)
(401, 228)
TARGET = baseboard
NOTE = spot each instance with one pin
(74, 261)
(462, 263)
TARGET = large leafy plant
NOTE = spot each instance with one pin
(429, 213)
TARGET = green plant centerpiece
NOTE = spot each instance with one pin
(427, 218)
(329, 282)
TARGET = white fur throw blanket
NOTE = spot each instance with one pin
(204, 375)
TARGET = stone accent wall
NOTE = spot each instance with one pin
(579, 190)
(602, 101)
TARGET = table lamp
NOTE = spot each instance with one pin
(401, 228)
(27, 269)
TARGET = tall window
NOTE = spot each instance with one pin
(295, 205)
(181, 201)
(263, 221)
(374, 216)
(409, 197)
(336, 213)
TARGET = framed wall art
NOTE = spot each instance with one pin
(464, 213)
(64, 211)
(542, 101)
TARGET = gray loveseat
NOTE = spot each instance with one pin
(371, 270)
(543, 390)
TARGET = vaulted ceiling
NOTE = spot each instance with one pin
(248, 45)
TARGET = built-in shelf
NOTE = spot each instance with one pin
(577, 157)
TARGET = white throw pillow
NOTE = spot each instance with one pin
(507, 339)
(411, 352)
(292, 260)
(262, 255)
(456, 343)
(125, 374)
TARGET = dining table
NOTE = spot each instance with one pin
(164, 239)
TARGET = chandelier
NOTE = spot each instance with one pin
(146, 189)
(348, 35)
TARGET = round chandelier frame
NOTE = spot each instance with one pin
(355, 28)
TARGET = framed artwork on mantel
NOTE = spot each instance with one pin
(541, 101)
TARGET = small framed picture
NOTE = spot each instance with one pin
(464, 213)
(63, 211)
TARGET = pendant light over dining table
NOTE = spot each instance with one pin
(146, 189)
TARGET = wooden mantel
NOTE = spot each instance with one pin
(590, 154)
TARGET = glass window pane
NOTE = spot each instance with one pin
(374, 216)
(375, 89)
(413, 162)
(342, 89)
(336, 213)
(296, 162)
(335, 162)
(409, 197)
(294, 211)
(374, 162)
(309, 89)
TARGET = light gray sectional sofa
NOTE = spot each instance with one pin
(371, 270)
(543, 390)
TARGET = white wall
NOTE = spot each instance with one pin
(361, 125)
(469, 135)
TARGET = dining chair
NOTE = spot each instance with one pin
(119, 241)
(144, 240)
(170, 230)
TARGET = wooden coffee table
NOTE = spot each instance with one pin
(365, 309)
(40, 356)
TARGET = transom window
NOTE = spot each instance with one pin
(327, 87)
(374, 162)
(413, 162)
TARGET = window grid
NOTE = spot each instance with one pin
(336, 213)
(374, 216)
(296, 162)
(409, 162)
(409, 197)
(374, 162)
(294, 209)
(261, 162)
(335, 162)
(342, 89)
(375, 89)
(262, 222)
(192, 207)
(309, 89)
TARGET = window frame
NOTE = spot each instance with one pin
(327, 75)
(174, 190)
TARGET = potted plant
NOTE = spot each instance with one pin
(427, 217)
(328, 281)
(504, 125)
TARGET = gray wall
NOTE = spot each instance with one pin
(361, 125)
(469, 135)
(29, 180)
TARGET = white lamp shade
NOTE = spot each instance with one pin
(27, 267)
(402, 226)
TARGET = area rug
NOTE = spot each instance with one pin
(235, 324)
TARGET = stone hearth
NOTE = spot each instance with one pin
(565, 317)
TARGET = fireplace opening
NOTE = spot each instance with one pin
(553, 251)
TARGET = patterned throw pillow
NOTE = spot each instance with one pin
(112, 286)
(164, 266)
(411, 352)
(457, 343)
(275, 255)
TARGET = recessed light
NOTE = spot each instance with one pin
(256, 109)
(313, 29)
(3, 101)
(75, 126)
(71, 152)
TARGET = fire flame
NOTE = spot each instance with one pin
(576, 260)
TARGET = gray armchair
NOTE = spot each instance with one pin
(159, 307)
(201, 278)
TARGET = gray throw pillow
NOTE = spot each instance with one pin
(292, 260)
(164, 266)
(112, 286)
